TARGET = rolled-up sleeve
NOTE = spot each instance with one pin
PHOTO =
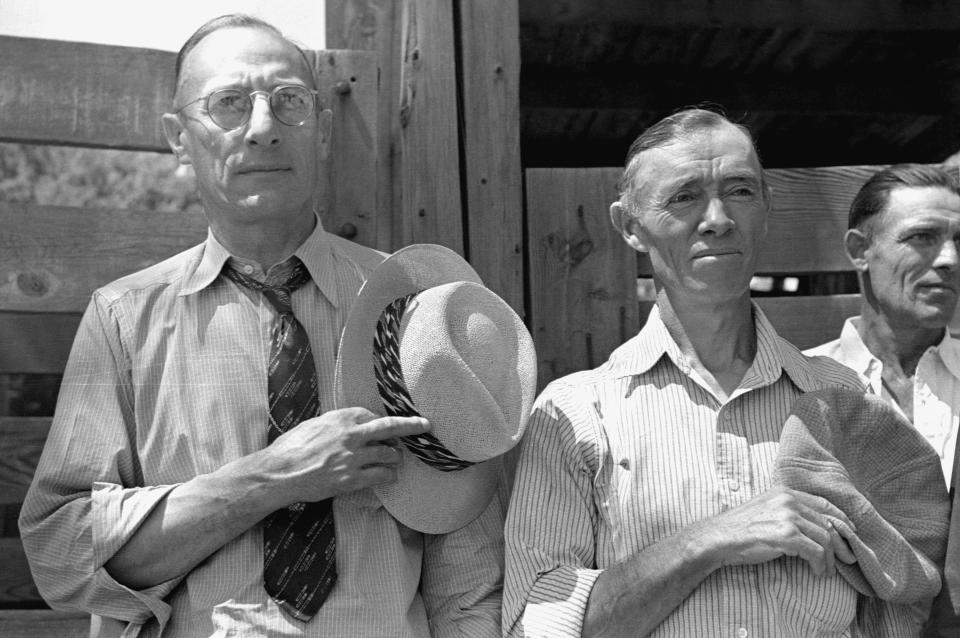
(462, 580)
(87, 497)
(551, 527)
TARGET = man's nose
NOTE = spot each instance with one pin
(715, 219)
(262, 129)
(948, 257)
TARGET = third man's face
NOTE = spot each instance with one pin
(701, 213)
(911, 259)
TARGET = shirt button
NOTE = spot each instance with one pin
(742, 632)
(733, 486)
(248, 269)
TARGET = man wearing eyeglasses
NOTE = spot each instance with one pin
(196, 481)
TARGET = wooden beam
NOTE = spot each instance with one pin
(490, 77)
(36, 343)
(583, 300)
(809, 321)
(827, 15)
(430, 172)
(347, 194)
(374, 25)
(627, 86)
(84, 94)
(52, 258)
(16, 583)
(21, 442)
(43, 623)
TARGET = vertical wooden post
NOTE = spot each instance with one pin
(490, 67)
(374, 25)
(430, 172)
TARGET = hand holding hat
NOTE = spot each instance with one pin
(425, 337)
(861, 455)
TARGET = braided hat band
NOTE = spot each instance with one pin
(394, 394)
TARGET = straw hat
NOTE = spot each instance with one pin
(424, 336)
(861, 455)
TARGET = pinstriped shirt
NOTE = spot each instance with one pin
(167, 380)
(617, 458)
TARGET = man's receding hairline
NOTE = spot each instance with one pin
(684, 136)
(264, 28)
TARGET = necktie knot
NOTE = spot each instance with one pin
(278, 295)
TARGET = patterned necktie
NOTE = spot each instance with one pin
(299, 542)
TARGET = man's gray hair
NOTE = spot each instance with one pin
(679, 125)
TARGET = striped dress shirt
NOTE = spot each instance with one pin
(166, 381)
(617, 458)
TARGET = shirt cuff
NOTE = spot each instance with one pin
(557, 602)
(117, 513)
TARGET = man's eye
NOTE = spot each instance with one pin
(921, 237)
(228, 101)
(292, 99)
(682, 197)
(743, 191)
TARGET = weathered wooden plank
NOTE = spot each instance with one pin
(83, 94)
(36, 343)
(52, 258)
(21, 442)
(857, 15)
(583, 299)
(347, 192)
(430, 172)
(16, 583)
(809, 218)
(43, 623)
(490, 78)
(809, 321)
(374, 25)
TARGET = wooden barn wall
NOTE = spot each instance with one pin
(449, 154)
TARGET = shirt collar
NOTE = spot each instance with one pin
(856, 355)
(949, 351)
(653, 342)
(315, 253)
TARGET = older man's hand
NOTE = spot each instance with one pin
(339, 451)
(781, 522)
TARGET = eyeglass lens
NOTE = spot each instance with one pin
(231, 108)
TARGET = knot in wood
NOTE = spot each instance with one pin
(33, 284)
(348, 230)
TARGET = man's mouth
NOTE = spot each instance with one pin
(247, 170)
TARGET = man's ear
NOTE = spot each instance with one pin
(173, 130)
(627, 225)
(856, 243)
(324, 133)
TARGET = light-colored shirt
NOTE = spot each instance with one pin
(166, 381)
(618, 458)
(936, 386)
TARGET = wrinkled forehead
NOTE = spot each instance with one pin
(920, 205)
(241, 54)
(714, 154)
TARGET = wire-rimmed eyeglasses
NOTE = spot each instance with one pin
(291, 104)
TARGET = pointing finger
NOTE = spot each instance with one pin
(390, 427)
